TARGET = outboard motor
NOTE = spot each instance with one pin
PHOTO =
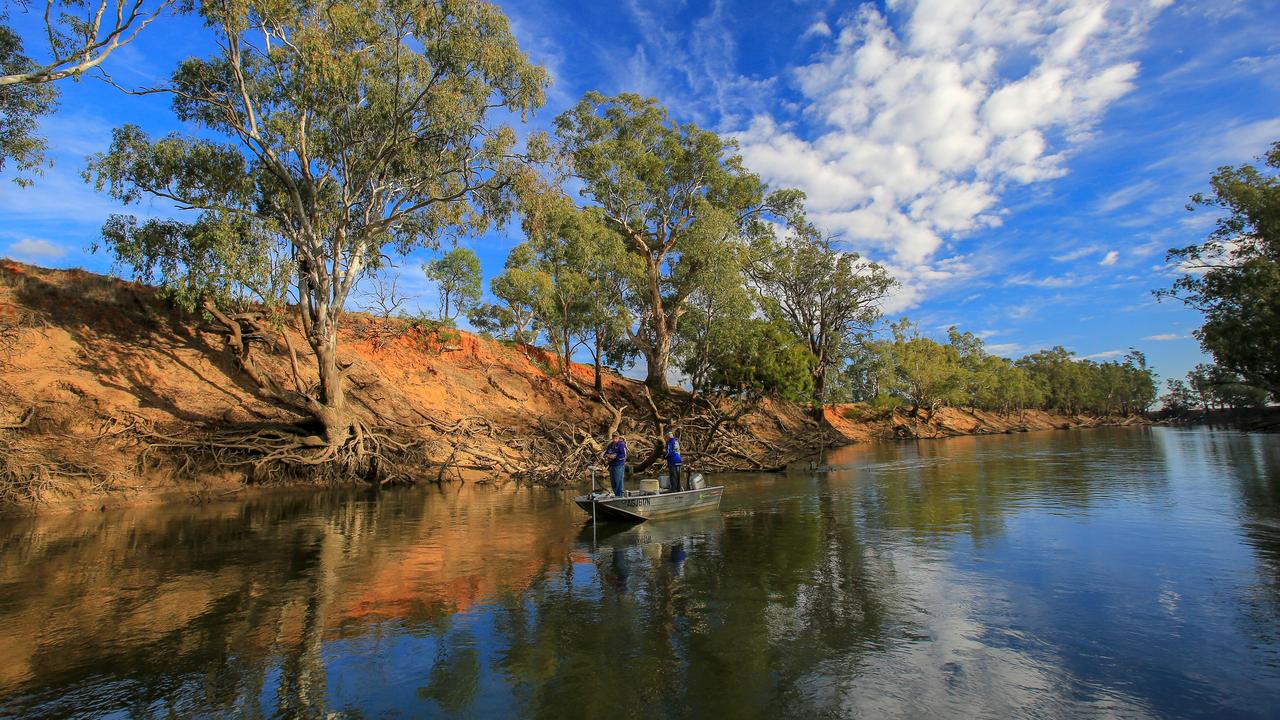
(696, 482)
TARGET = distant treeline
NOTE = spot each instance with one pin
(919, 373)
(912, 371)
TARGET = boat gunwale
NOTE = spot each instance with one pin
(615, 498)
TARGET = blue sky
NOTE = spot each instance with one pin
(1022, 167)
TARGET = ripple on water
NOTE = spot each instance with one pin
(1130, 573)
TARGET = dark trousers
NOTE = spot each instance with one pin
(673, 472)
(615, 476)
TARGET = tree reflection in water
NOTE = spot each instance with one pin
(955, 577)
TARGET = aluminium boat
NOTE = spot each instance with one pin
(641, 505)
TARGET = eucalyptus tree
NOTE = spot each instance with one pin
(729, 350)
(340, 128)
(82, 34)
(21, 106)
(563, 243)
(1139, 384)
(715, 322)
(1233, 277)
(924, 372)
(678, 195)
(457, 278)
(1059, 375)
(826, 296)
(606, 321)
(1179, 397)
(517, 288)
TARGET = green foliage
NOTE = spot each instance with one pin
(923, 373)
(1075, 386)
(1233, 278)
(1208, 387)
(21, 105)
(568, 269)
(457, 278)
(431, 334)
(753, 357)
(78, 35)
(518, 288)
(230, 261)
(1179, 397)
(826, 297)
(1232, 392)
(680, 199)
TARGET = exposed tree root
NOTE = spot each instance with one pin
(277, 454)
(712, 436)
(28, 475)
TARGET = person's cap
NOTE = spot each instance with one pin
(671, 433)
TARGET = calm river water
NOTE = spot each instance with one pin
(1122, 572)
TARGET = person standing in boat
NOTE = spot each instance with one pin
(616, 454)
(672, 454)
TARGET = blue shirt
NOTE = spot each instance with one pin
(673, 451)
(617, 452)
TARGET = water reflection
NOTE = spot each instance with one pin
(1130, 572)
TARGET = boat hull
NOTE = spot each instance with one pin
(639, 508)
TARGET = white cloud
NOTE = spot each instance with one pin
(1077, 253)
(1234, 143)
(1124, 196)
(1109, 259)
(1009, 350)
(818, 29)
(1105, 354)
(1070, 280)
(914, 129)
(1024, 310)
(690, 65)
(35, 249)
(1165, 336)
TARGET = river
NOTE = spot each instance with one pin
(1114, 572)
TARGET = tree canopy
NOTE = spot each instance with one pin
(458, 281)
(1233, 277)
(21, 106)
(924, 374)
(825, 296)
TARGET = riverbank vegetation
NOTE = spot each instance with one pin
(328, 137)
(913, 371)
(1233, 279)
